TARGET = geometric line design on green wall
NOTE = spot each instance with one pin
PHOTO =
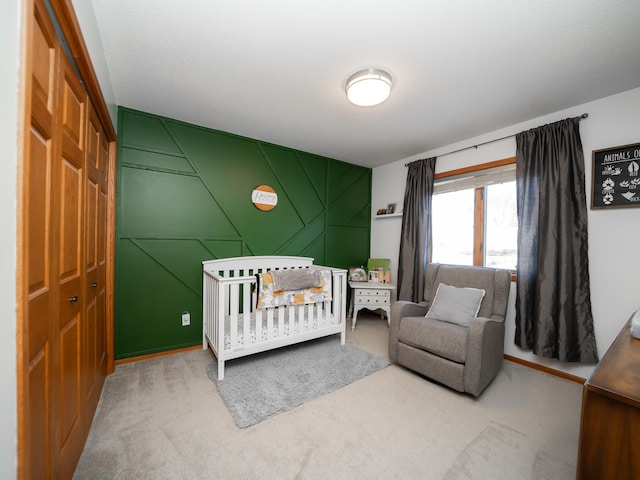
(305, 237)
(164, 155)
(362, 218)
(149, 304)
(346, 185)
(238, 168)
(167, 125)
(184, 196)
(148, 133)
(182, 258)
(316, 169)
(169, 204)
(316, 250)
(295, 182)
(223, 248)
(144, 247)
(161, 161)
(341, 176)
(346, 207)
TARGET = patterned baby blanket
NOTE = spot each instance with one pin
(268, 296)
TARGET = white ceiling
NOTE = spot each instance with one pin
(275, 70)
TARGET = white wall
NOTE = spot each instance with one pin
(87, 19)
(9, 42)
(614, 234)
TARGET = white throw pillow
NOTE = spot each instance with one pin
(635, 325)
(456, 305)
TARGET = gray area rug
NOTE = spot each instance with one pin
(259, 386)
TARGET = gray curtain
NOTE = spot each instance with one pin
(553, 300)
(415, 239)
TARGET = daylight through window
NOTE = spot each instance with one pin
(474, 217)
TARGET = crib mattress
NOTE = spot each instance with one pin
(290, 327)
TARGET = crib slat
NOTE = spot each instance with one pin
(300, 318)
(292, 323)
(281, 322)
(310, 316)
(246, 329)
(211, 314)
(233, 315)
(270, 323)
(254, 290)
(259, 323)
(246, 297)
(246, 313)
(218, 319)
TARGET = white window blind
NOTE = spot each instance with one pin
(479, 178)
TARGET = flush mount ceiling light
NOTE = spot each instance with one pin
(368, 87)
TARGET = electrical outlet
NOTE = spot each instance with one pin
(186, 319)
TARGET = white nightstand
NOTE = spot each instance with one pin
(370, 295)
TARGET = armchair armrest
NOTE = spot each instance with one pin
(403, 308)
(400, 309)
(485, 351)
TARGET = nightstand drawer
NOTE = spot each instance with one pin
(372, 297)
(372, 301)
(372, 292)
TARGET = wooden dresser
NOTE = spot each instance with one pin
(610, 424)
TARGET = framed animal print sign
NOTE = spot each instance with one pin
(616, 177)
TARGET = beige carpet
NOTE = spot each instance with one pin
(163, 419)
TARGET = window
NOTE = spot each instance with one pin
(452, 226)
(474, 218)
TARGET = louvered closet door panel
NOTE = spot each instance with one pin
(72, 126)
(37, 419)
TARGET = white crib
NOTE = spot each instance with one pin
(232, 325)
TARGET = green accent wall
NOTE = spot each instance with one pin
(184, 196)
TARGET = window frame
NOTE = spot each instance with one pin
(479, 216)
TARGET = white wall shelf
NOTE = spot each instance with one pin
(388, 215)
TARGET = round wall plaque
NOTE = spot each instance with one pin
(264, 198)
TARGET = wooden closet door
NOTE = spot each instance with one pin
(53, 425)
(36, 415)
(65, 210)
(95, 264)
(72, 117)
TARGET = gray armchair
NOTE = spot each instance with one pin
(463, 357)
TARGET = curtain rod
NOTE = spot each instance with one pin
(584, 115)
